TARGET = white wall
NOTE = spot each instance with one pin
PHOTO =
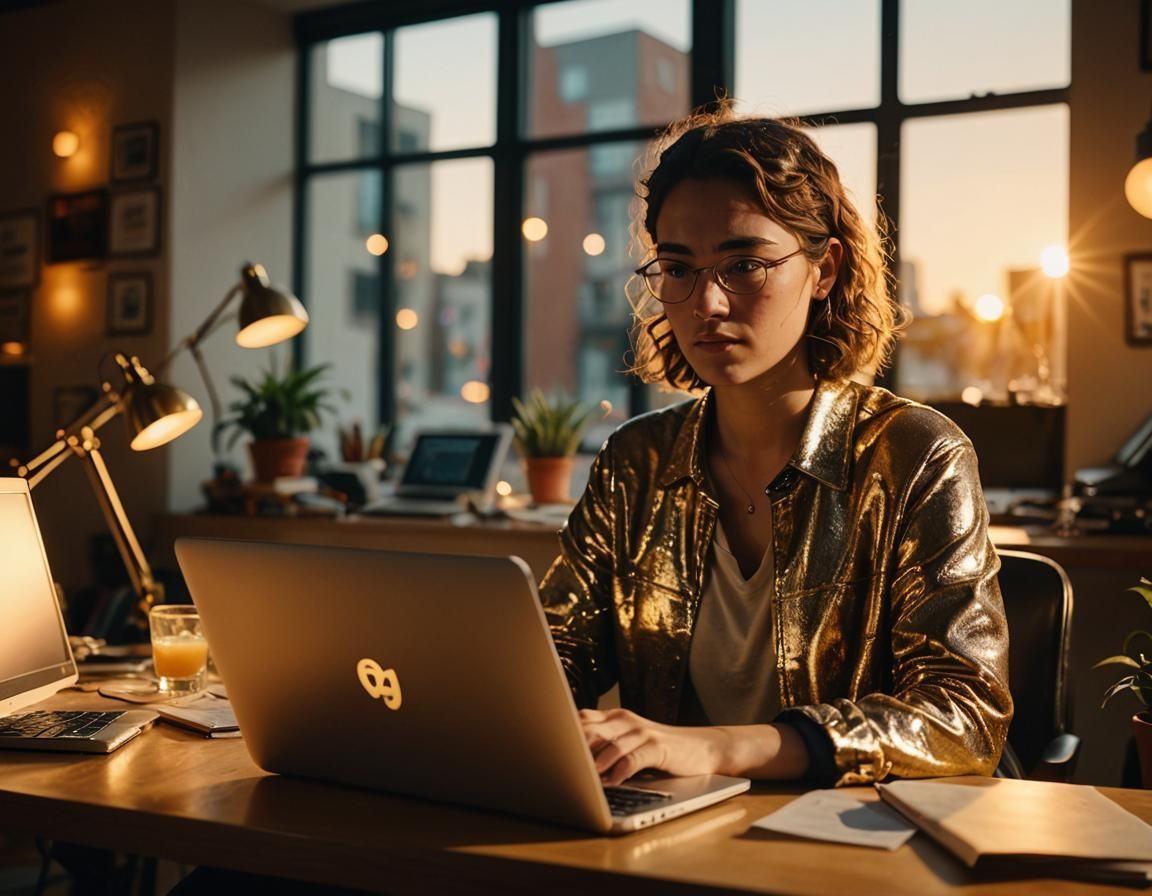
(233, 108)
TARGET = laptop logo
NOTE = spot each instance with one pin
(381, 684)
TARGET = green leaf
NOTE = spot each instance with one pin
(1119, 660)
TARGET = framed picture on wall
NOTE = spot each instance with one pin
(134, 222)
(69, 402)
(129, 303)
(77, 226)
(1146, 35)
(1138, 299)
(135, 151)
(14, 317)
(19, 249)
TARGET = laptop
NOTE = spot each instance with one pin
(427, 675)
(35, 656)
(445, 470)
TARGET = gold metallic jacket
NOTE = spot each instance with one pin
(889, 627)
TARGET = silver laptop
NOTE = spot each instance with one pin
(428, 675)
(35, 657)
(445, 470)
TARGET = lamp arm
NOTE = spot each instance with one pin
(213, 398)
(197, 336)
(102, 410)
(139, 571)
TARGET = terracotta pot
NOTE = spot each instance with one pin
(1142, 731)
(274, 458)
(549, 479)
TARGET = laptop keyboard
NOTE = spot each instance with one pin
(56, 724)
(623, 801)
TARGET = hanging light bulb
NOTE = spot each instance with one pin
(1138, 184)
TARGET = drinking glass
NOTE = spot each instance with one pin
(179, 649)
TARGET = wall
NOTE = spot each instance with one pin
(1109, 382)
(73, 65)
(232, 127)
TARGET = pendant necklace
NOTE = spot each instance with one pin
(724, 460)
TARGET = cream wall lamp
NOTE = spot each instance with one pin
(156, 413)
(1138, 184)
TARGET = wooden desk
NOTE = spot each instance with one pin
(196, 801)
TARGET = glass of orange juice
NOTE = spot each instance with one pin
(179, 649)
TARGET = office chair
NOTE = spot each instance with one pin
(1038, 605)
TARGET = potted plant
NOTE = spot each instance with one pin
(548, 432)
(1137, 658)
(277, 411)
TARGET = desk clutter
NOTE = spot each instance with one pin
(998, 826)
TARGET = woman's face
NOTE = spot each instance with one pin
(732, 339)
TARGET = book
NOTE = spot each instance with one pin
(1034, 828)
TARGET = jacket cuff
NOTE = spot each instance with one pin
(822, 771)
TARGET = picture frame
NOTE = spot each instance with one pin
(134, 223)
(129, 303)
(135, 151)
(15, 317)
(69, 402)
(19, 249)
(77, 226)
(1138, 299)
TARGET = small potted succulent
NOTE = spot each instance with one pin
(1136, 659)
(548, 431)
(277, 411)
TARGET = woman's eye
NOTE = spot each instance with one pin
(746, 266)
(673, 270)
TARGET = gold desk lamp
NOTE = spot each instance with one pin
(157, 413)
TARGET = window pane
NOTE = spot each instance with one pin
(800, 58)
(342, 291)
(853, 148)
(446, 76)
(956, 50)
(596, 65)
(983, 196)
(577, 313)
(347, 80)
(442, 218)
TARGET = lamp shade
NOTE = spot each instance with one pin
(157, 413)
(268, 315)
(1138, 184)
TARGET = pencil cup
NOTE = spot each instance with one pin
(179, 650)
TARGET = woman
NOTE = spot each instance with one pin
(789, 576)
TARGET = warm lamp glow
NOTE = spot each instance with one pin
(65, 144)
(593, 244)
(989, 307)
(972, 395)
(1138, 187)
(534, 229)
(475, 392)
(377, 244)
(166, 429)
(270, 330)
(407, 319)
(11, 348)
(503, 488)
(1054, 261)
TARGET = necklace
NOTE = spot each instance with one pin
(751, 506)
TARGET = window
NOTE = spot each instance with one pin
(465, 216)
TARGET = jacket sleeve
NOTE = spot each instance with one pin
(577, 590)
(949, 706)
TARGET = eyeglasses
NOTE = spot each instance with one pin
(672, 282)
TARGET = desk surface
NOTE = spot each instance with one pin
(197, 801)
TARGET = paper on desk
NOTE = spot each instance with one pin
(838, 816)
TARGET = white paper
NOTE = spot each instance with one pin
(838, 816)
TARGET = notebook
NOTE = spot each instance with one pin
(35, 657)
(428, 675)
(445, 470)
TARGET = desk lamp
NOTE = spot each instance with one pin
(157, 413)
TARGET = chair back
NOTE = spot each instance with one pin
(1038, 605)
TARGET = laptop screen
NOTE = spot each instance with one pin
(451, 463)
(34, 652)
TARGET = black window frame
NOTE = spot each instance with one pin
(712, 64)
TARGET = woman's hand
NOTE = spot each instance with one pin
(624, 744)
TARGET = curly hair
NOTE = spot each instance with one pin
(798, 187)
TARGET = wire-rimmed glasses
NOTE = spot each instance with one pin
(671, 282)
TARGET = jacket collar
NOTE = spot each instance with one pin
(824, 452)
